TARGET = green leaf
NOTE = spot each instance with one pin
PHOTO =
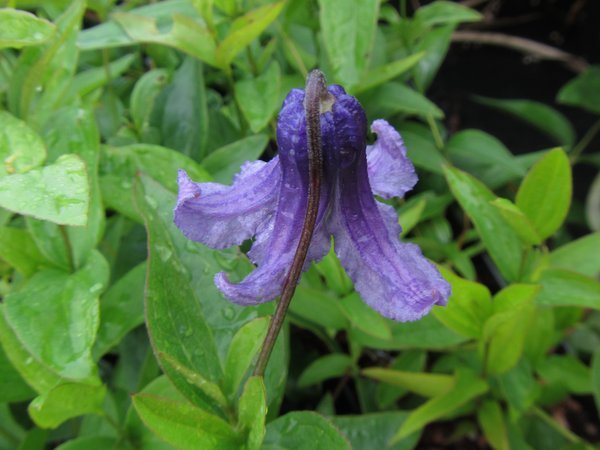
(87, 442)
(18, 249)
(410, 214)
(564, 288)
(226, 161)
(592, 205)
(365, 318)
(252, 410)
(54, 306)
(579, 255)
(545, 193)
(425, 384)
(348, 28)
(467, 387)
(12, 386)
(583, 91)
(319, 307)
(244, 30)
(491, 421)
(144, 94)
(484, 156)
(566, 371)
(411, 361)
(58, 193)
(183, 425)
(539, 115)
(121, 309)
(519, 387)
(243, 349)
(333, 365)
(174, 316)
(387, 72)
(184, 116)
(443, 12)
(20, 28)
(595, 369)
(185, 33)
(89, 80)
(44, 73)
(393, 98)
(303, 429)
(260, 98)
(21, 148)
(505, 332)
(421, 148)
(65, 402)
(518, 221)
(374, 430)
(435, 44)
(500, 240)
(335, 276)
(468, 307)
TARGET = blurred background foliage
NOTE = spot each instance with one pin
(113, 335)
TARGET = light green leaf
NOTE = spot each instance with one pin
(595, 370)
(491, 421)
(410, 215)
(244, 30)
(484, 156)
(21, 148)
(545, 193)
(567, 371)
(21, 28)
(387, 72)
(348, 28)
(319, 307)
(18, 249)
(260, 98)
(333, 365)
(365, 318)
(183, 425)
(53, 308)
(65, 402)
(505, 332)
(519, 222)
(565, 288)
(226, 161)
(468, 307)
(583, 91)
(500, 240)
(252, 410)
(579, 255)
(539, 115)
(243, 349)
(335, 276)
(442, 12)
(58, 193)
(425, 384)
(87, 442)
(186, 33)
(303, 429)
(467, 387)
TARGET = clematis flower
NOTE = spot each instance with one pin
(267, 201)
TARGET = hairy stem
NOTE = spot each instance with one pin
(316, 92)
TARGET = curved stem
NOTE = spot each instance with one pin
(316, 92)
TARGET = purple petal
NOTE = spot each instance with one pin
(393, 278)
(278, 238)
(391, 173)
(220, 216)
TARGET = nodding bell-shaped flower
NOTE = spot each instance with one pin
(268, 201)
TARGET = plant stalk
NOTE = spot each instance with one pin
(316, 91)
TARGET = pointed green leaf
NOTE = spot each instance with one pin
(566, 288)
(491, 421)
(333, 365)
(21, 28)
(387, 72)
(583, 91)
(21, 148)
(425, 384)
(252, 410)
(545, 193)
(519, 222)
(579, 255)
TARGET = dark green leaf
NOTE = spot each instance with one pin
(567, 371)
(421, 148)
(143, 96)
(393, 98)
(12, 386)
(583, 91)
(442, 12)
(435, 45)
(387, 72)
(333, 365)
(491, 420)
(319, 307)
(539, 115)
(260, 98)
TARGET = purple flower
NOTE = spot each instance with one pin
(267, 202)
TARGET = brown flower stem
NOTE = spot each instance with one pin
(316, 93)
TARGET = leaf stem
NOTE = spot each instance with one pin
(316, 91)
(585, 141)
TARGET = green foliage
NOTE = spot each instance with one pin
(101, 102)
